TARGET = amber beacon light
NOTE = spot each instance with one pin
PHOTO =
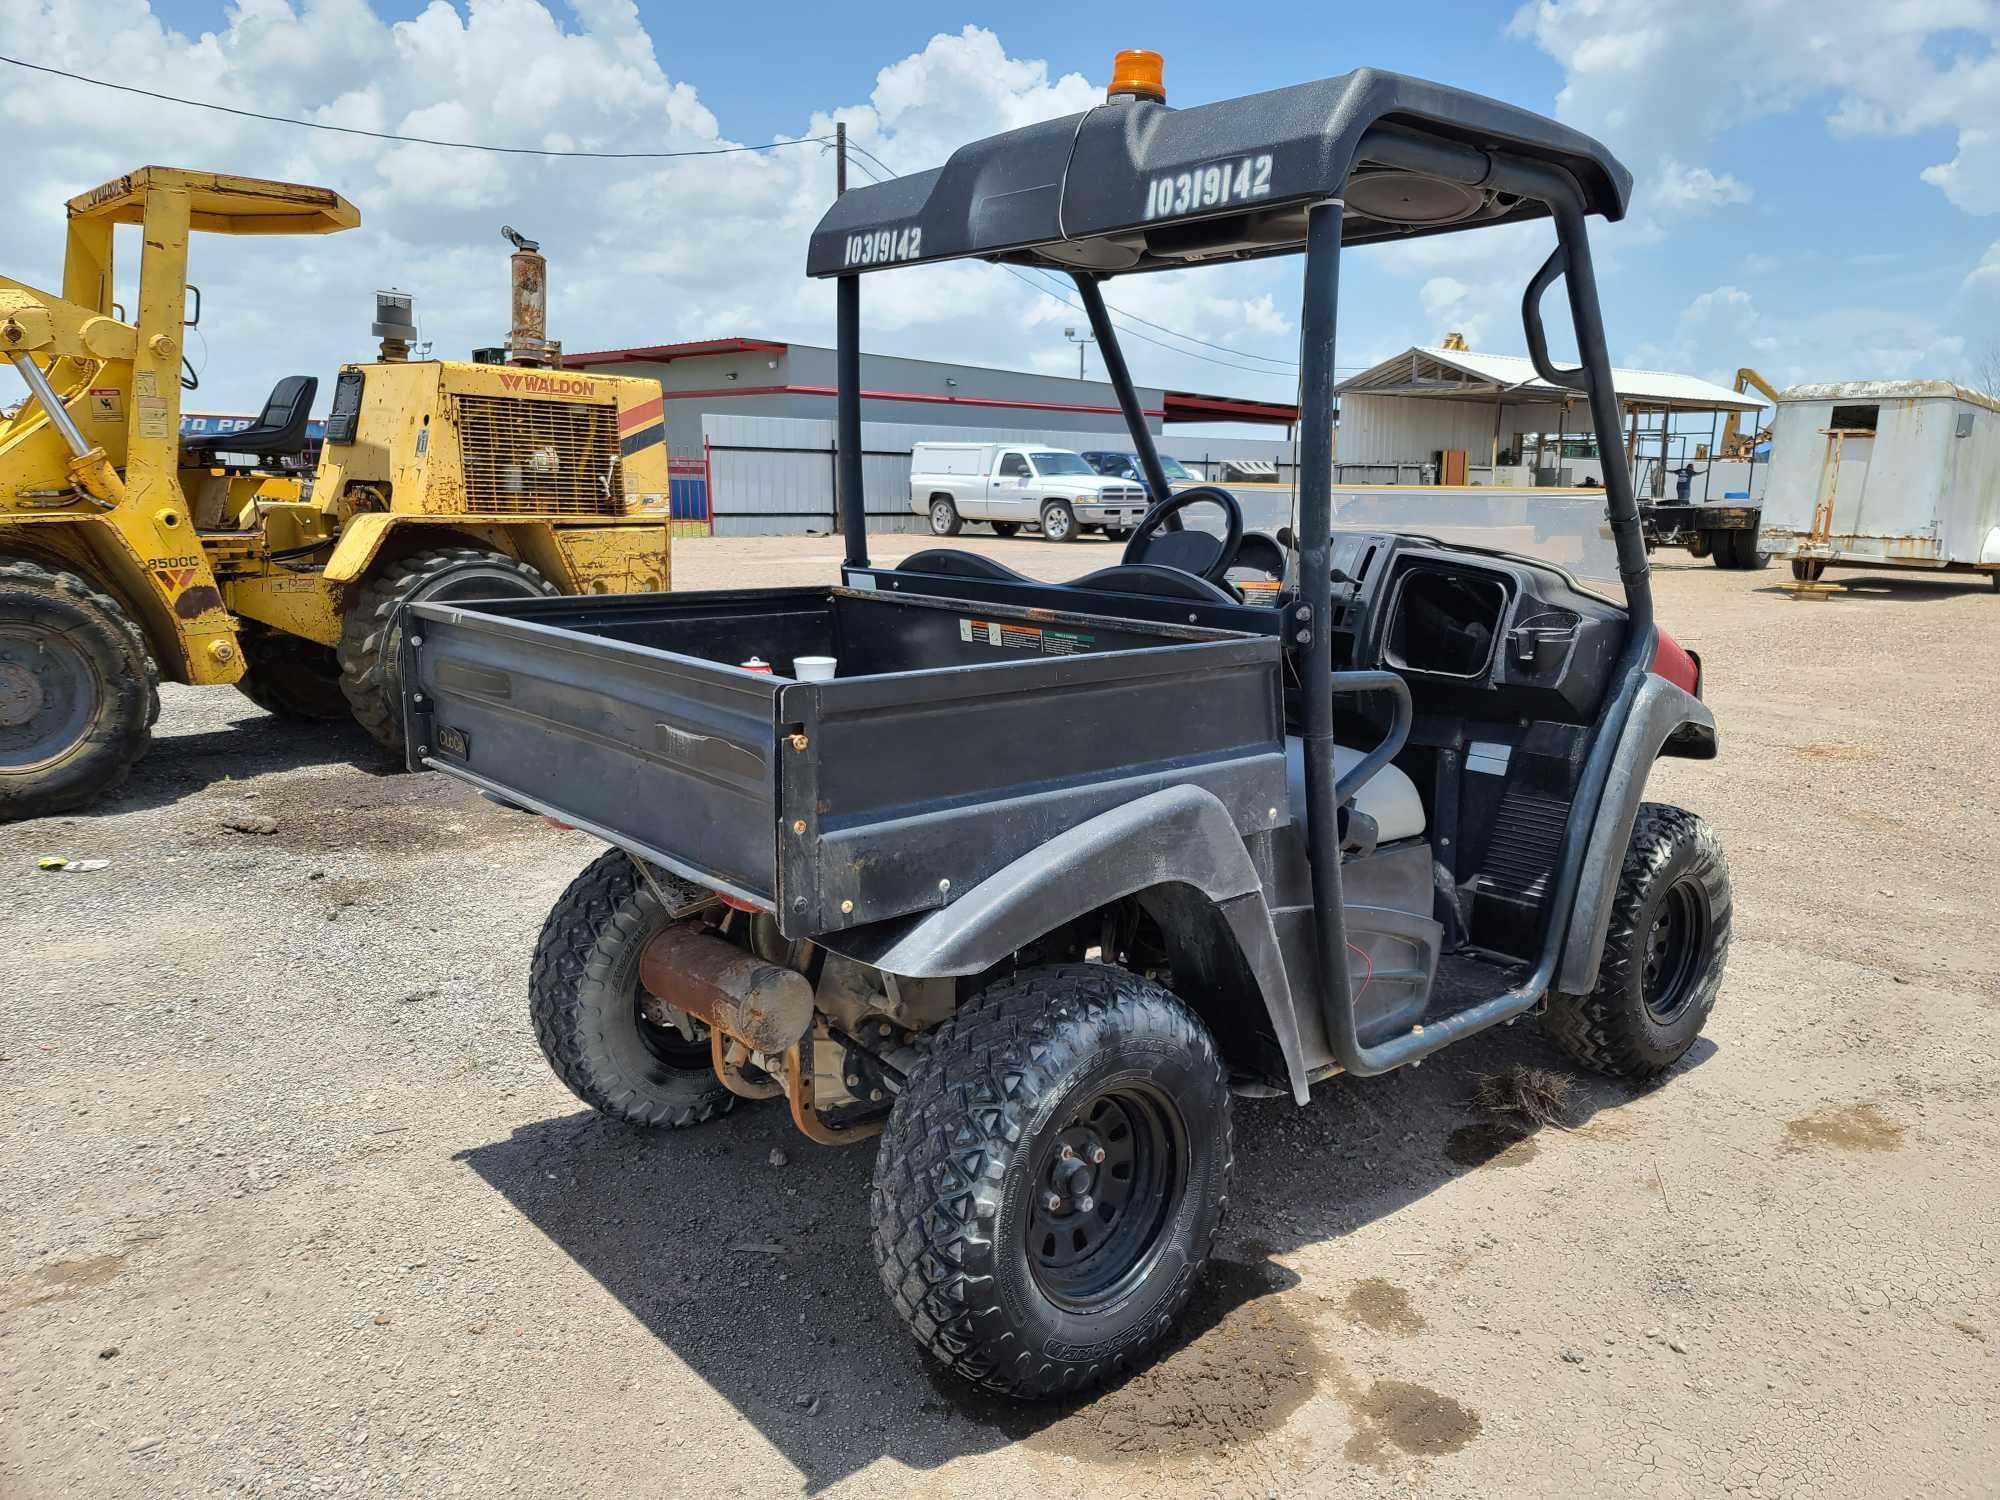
(1138, 74)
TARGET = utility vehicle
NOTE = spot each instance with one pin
(1048, 872)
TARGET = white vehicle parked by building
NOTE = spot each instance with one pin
(1011, 485)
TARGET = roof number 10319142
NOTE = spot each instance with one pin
(1208, 187)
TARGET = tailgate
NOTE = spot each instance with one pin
(668, 756)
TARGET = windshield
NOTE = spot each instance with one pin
(1060, 463)
(1126, 466)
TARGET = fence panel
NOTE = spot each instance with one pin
(775, 476)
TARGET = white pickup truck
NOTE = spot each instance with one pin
(1011, 485)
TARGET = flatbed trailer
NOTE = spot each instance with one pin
(1725, 532)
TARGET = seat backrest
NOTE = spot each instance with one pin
(290, 401)
(279, 431)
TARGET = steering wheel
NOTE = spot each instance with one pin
(1195, 552)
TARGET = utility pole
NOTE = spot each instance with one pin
(1081, 344)
(839, 158)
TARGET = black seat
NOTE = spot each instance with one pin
(953, 563)
(278, 432)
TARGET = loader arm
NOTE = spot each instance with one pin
(1746, 379)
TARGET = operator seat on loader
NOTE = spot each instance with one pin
(278, 432)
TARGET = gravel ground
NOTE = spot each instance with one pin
(290, 1204)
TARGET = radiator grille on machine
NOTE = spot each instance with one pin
(522, 455)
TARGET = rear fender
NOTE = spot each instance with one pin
(1179, 836)
(1665, 720)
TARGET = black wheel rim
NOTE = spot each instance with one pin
(1674, 947)
(660, 1030)
(1105, 1188)
(49, 697)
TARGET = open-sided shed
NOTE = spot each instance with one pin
(1429, 400)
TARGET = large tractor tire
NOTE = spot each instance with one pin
(620, 1049)
(1052, 1179)
(371, 643)
(1664, 953)
(78, 691)
(291, 677)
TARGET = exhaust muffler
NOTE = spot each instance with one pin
(765, 1006)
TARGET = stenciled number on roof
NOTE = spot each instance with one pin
(884, 245)
(1209, 187)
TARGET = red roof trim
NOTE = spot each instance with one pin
(1185, 406)
(666, 353)
(926, 397)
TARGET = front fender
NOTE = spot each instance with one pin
(1665, 720)
(1176, 836)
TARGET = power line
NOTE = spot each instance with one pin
(410, 140)
(1050, 290)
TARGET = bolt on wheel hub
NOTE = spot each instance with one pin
(1103, 1193)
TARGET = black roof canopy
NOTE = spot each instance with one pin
(1135, 186)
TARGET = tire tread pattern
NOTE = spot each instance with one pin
(144, 673)
(1601, 1029)
(943, 1157)
(365, 650)
(606, 909)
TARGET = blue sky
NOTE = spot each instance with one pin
(1783, 217)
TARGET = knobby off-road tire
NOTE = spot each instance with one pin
(584, 997)
(994, 1280)
(1664, 953)
(291, 677)
(371, 644)
(78, 691)
(944, 516)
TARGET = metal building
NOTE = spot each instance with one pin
(768, 378)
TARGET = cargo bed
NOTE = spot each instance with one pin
(957, 737)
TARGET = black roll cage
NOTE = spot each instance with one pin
(1559, 191)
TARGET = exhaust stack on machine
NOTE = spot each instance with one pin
(528, 341)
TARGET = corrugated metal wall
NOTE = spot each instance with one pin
(773, 476)
(1409, 429)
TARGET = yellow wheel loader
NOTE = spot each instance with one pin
(128, 555)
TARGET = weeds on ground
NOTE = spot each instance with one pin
(1538, 1096)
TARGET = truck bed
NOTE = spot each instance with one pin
(957, 736)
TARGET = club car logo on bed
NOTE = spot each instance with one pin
(1212, 186)
(881, 246)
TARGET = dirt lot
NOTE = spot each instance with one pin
(289, 1202)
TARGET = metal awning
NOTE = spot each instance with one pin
(1425, 372)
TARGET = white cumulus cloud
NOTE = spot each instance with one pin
(639, 251)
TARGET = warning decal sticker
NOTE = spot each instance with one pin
(107, 403)
(1010, 636)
